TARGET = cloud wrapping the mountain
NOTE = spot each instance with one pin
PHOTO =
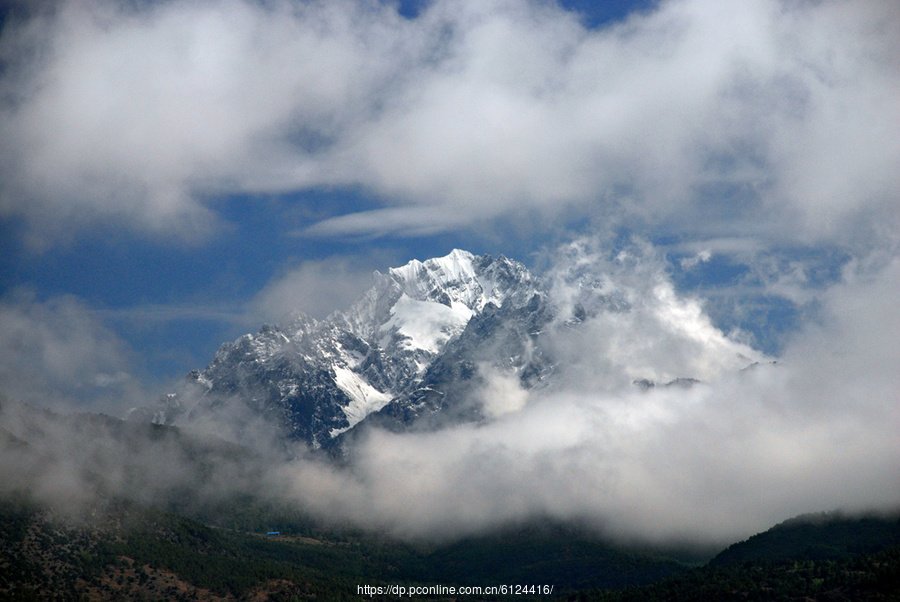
(633, 324)
(712, 463)
(769, 113)
(737, 126)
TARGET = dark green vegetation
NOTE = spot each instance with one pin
(824, 536)
(867, 577)
(120, 549)
(567, 558)
(824, 557)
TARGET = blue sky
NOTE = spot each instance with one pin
(169, 171)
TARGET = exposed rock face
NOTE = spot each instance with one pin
(412, 342)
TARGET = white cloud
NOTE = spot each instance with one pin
(634, 324)
(501, 394)
(57, 354)
(128, 114)
(851, 352)
(702, 257)
(316, 288)
(713, 463)
(699, 114)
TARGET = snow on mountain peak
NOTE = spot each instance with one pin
(461, 277)
(442, 279)
(427, 325)
(430, 333)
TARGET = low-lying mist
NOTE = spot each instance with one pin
(73, 462)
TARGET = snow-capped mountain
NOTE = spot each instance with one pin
(314, 380)
(424, 345)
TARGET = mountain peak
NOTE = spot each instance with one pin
(461, 277)
(427, 339)
(445, 280)
(455, 265)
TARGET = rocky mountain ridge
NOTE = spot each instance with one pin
(313, 380)
(424, 345)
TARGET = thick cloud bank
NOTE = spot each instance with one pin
(765, 113)
(713, 462)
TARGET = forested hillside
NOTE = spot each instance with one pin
(120, 549)
(822, 557)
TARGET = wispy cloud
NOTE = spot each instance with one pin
(57, 353)
(158, 313)
(316, 288)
